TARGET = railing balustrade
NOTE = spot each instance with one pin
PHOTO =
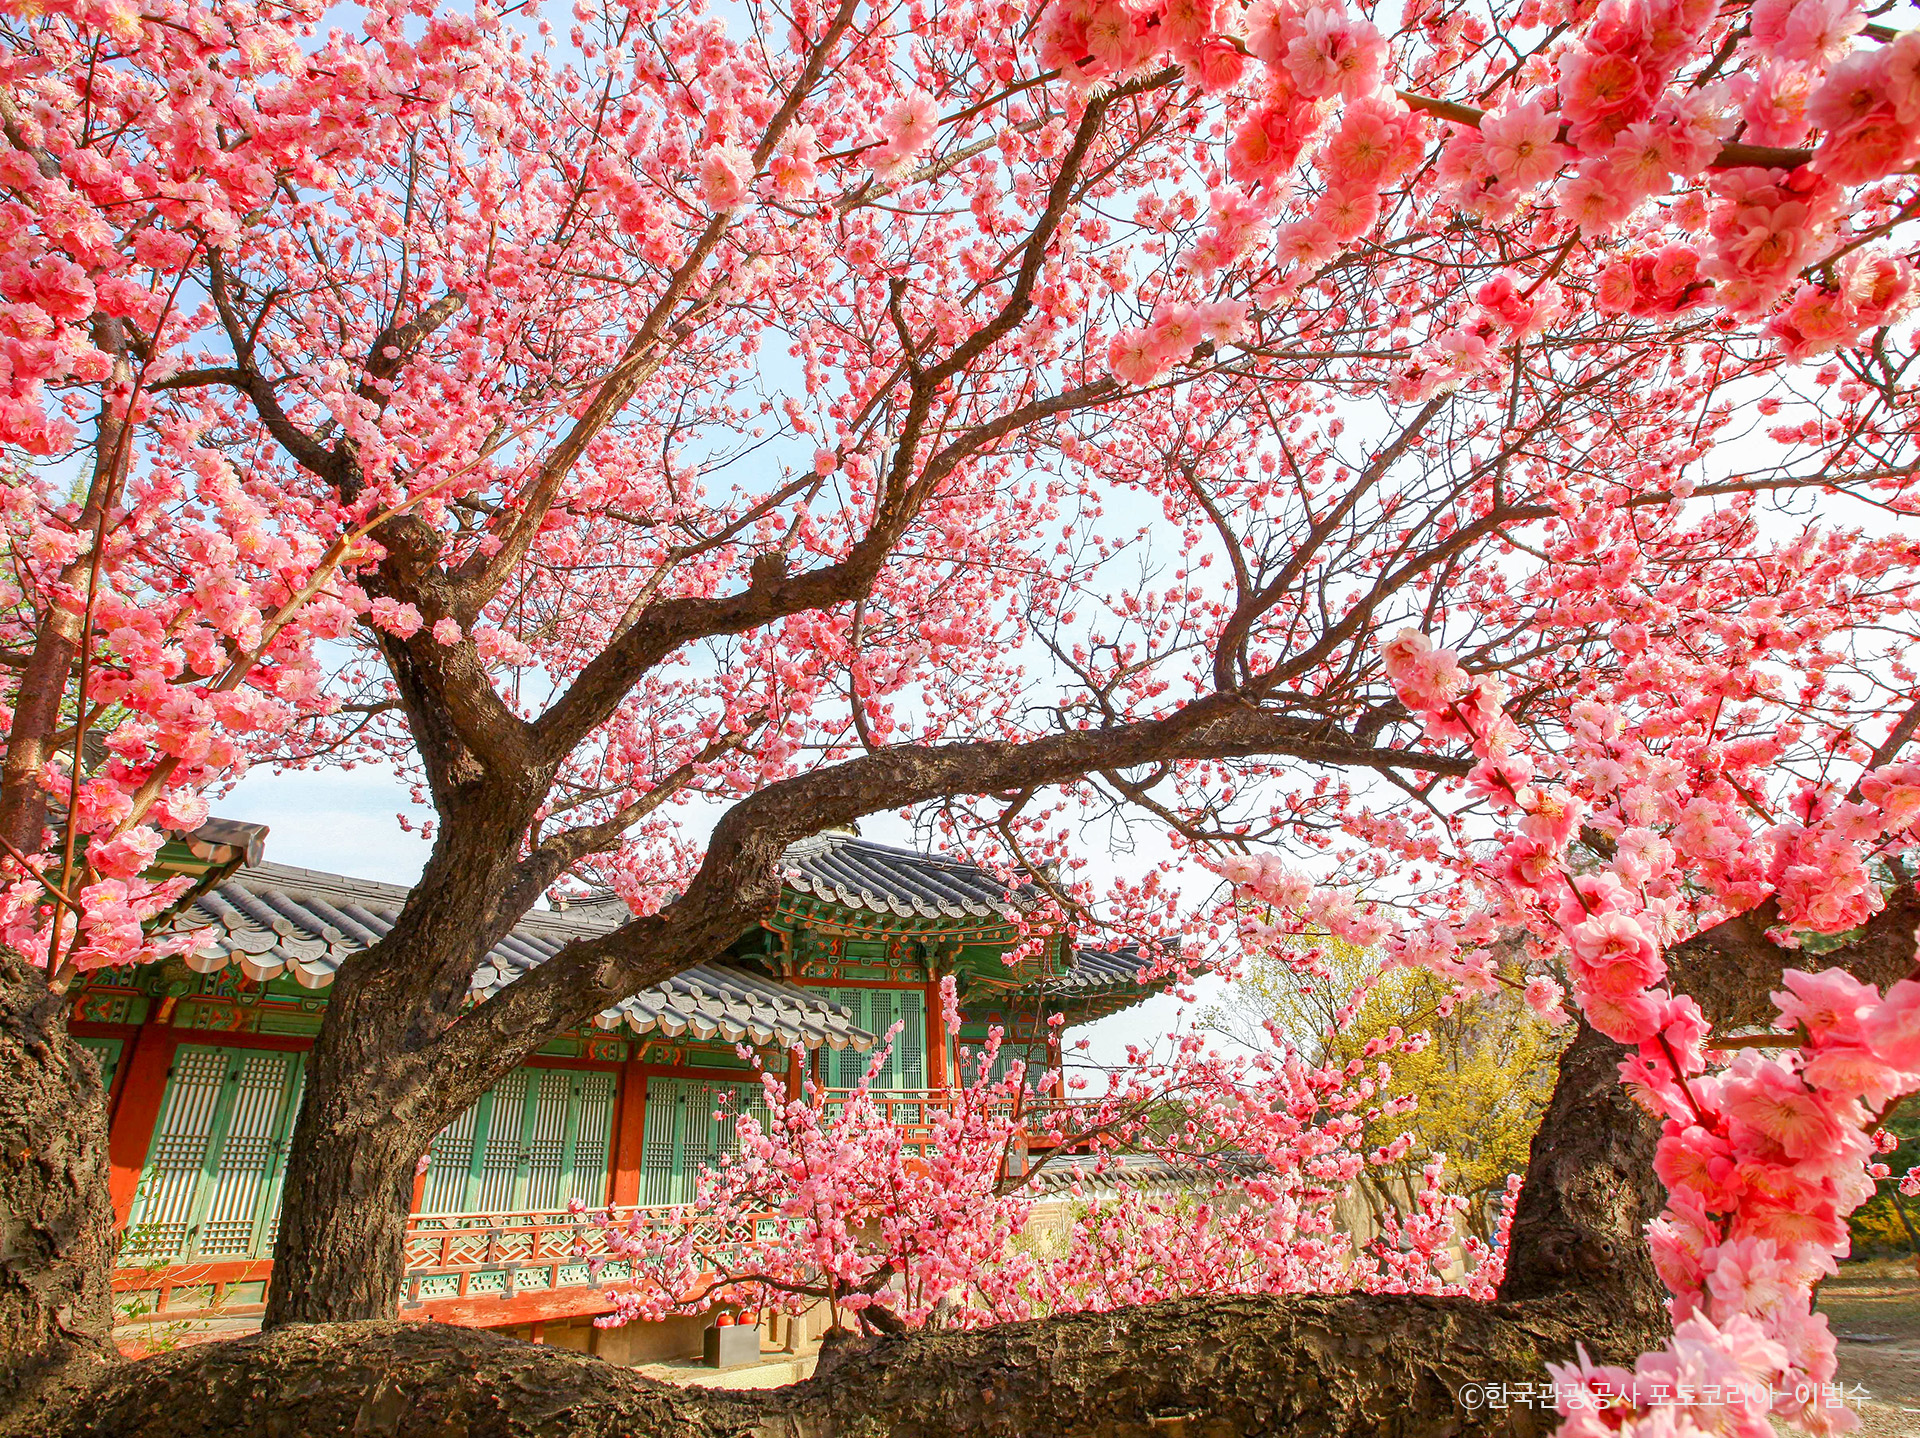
(467, 1254)
(457, 1255)
(460, 1255)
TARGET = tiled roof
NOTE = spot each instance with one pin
(1152, 1173)
(278, 920)
(1099, 969)
(860, 874)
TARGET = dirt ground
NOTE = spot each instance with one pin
(1874, 1309)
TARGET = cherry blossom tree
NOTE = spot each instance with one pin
(834, 1199)
(1024, 419)
(1763, 1157)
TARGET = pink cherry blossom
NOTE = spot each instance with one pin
(1892, 1027)
(1520, 144)
(1544, 996)
(1334, 53)
(726, 175)
(1804, 30)
(911, 124)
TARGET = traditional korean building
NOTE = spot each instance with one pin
(203, 1058)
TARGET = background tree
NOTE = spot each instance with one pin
(1889, 1222)
(1478, 1083)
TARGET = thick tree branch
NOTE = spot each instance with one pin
(402, 340)
(1733, 966)
(1358, 1366)
(738, 879)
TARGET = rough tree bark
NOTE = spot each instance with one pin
(377, 1089)
(56, 1223)
(1590, 1191)
(1309, 1367)
(1205, 1368)
(1731, 967)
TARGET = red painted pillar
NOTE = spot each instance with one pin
(130, 1133)
(796, 1073)
(629, 1126)
(936, 1038)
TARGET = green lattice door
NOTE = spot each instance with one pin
(683, 1138)
(211, 1187)
(537, 1139)
(876, 1011)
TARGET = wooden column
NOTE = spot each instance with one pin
(796, 1073)
(936, 1038)
(629, 1126)
(149, 1056)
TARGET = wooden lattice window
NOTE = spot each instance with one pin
(211, 1186)
(876, 1011)
(537, 1139)
(689, 1124)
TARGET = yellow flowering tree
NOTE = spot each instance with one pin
(1481, 1082)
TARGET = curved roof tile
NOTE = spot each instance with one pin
(1101, 969)
(860, 874)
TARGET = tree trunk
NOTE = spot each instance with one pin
(1733, 967)
(389, 1071)
(340, 1253)
(56, 1222)
(370, 1107)
(1308, 1367)
(378, 1087)
(1590, 1190)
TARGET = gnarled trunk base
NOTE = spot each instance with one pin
(1590, 1190)
(56, 1222)
(1307, 1367)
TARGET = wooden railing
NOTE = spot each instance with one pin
(461, 1255)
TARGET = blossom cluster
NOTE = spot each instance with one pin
(1617, 138)
(916, 1208)
(1764, 1157)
